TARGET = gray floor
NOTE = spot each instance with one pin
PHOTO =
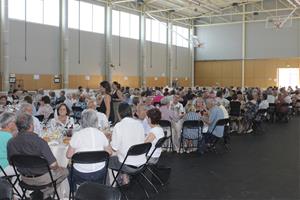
(258, 167)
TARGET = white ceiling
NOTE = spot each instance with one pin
(206, 12)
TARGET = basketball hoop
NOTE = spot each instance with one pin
(196, 42)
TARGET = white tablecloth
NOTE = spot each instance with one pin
(59, 151)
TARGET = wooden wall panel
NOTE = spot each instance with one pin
(156, 81)
(131, 81)
(45, 82)
(80, 80)
(260, 72)
(222, 73)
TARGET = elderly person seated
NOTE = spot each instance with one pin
(27, 108)
(211, 117)
(123, 137)
(173, 117)
(63, 121)
(155, 133)
(142, 116)
(29, 143)
(45, 108)
(102, 119)
(8, 131)
(188, 133)
(89, 138)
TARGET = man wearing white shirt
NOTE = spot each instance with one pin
(177, 106)
(27, 108)
(126, 133)
(141, 113)
(102, 119)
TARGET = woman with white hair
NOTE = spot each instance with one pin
(89, 138)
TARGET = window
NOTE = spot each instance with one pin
(180, 36)
(51, 12)
(86, 16)
(38, 11)
(91, 16)
(125, 24)
(134, 26)
(156, 31)
(16, 9)
(34, 10)
(98, 19)
(115, 22)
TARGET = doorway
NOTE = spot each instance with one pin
(288, 77)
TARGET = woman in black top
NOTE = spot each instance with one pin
(117, 95)
(106, 105)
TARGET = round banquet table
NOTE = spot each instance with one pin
(59, 151)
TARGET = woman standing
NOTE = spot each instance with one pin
(106, 105)
(117, 97)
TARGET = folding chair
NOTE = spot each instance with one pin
(260, 117)
(96, 191)
(272, 112)
(89, 157)
(194, 125)
(9, 180)
(135, 150)
(165, 124)
(6, 190)
(29, 162)
(226, 138)
(153, 166)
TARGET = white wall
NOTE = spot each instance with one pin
(42, 48)
(220, 42)
(129, 56)
(224, 42)
(92, 53)
(159, 59)
(43, 53)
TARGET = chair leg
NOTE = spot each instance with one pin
(156, 176)
(171, 140)
(141, 185)
(152, 185)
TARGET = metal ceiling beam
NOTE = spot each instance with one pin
(236, 14)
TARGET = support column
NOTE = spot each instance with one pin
(4, 45)
(192, 49)
(108, 42)
(142, 49)
(243, 46)
(64, 44)
(169, 71)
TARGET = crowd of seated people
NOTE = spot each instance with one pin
(135, 115)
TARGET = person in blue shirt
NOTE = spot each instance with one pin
(7, 131)
(215, 113)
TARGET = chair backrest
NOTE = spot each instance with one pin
(222, 122)
(235, 108)
(139, 149)
(77, 109)
(28, 161)
(165, 124)
(40, 117)
(96, 191)
(158, 144)
(192, 124)
(90, 157)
